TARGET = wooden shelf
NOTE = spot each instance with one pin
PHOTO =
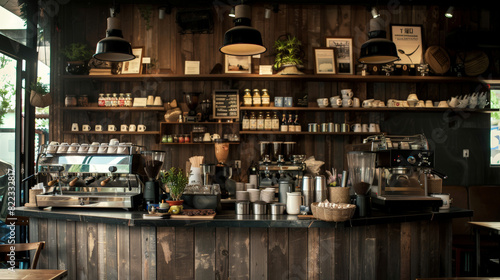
(309, 77)
(198, 143)
(251, 132)
(135, 109)
(114, 132)
(360, 109)
(199, 123)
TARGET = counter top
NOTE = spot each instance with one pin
(229, 219)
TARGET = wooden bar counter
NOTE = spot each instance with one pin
(116, 244)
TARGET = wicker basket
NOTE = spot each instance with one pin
(332, 214)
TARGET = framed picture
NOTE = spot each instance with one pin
(238, 64)
(343, 50)
(324, 61)
(408, 40)
(133, 66)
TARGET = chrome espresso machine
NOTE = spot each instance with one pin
(99, 179)
(403, 163)
(279, 161)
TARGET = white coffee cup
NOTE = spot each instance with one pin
(63, 148)
(446, 200)
(293, 202)
(356, 127)
(355, 102)
(420, 104)
(364, 127)
(347, 93)
(428, 104)
(391, 103)
(103, 148)
(111, 127)
(346, 102)
(74, 127)
(443, 104)
(367, 103)
(207, 137)
(372, 127)
(98, 127)
(453, 102)
(123, 127)
(215, 136)
(158, 101)
(114, 142)
(86, 127)
(52, 147)
(141, 127)
(132, 127)
(123, 148)
(84, 148)
(150, 100)
(335, 101)
(94, 147)
(322, 102)
(412, 96)
(73, 148)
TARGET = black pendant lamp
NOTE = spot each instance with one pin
(378, 49)
(114, 48)
(242, 39)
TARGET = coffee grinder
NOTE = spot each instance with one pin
(361, 172)
(191, 99)
(223, 172)
(153, 161)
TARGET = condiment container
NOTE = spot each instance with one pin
(278, 208)
(320, 191)
(308, 190)
(242, 207)
(259, 208)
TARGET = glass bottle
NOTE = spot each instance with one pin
(268, 122)
(253, 121)
(245, 122)
(101, 101)
(275, 122)
(256, 98)
(265, 98)
(260, 121)
(298, 128)
(284, 124)
(291, 126)
(247, 98)
(121, 100)
(70, 101)
(128, 100)
(114, 100)
(108, 100)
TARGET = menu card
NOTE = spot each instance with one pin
(226, 104)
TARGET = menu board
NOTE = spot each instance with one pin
(226, 104)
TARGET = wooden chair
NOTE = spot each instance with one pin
(22, 247)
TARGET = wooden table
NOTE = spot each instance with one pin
(33, 274)
(493, 227)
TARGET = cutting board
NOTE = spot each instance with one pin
(197, 217)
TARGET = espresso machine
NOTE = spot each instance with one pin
(192, 99)
(153, 161)
(90, 180)
(403, 164)
(279, 161)
(223, 172)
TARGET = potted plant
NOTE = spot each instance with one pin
(288, 55)
(176, 181)
(77, 56)
(40, 95)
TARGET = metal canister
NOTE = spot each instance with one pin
(242, 207)
(320, 191)
(312, 127)
(324, 127)
(308, 190)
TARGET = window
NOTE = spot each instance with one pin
(495, 123)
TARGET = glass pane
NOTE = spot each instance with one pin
(12, 25)
(495, 132)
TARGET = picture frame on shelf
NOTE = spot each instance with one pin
(238, 64)
(324, 61)
(133, 66)
(344, 54)
(408, 40)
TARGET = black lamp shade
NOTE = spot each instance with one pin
(114, 49)
(242, 40)
(378, 51)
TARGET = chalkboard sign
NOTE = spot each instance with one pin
(226, 104)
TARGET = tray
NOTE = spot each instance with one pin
(197, 217)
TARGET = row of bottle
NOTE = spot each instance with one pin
(115, 100)
(257, 99)
(259, 122)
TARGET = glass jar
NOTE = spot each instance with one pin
(101, 101)
(247, 98)
(265, 98)
(187, 139)
(114, 100)
(170, 139)
(256, 98)
(176, 139)
(181, 138)
(70, 101)
(128, 100)
(83, 100)
(164, 139)
(108, 100)
(121, 100)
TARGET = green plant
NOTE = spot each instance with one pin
(39, 87)
(288, 51)
(77, 52)
(176, 181)
(146, 12)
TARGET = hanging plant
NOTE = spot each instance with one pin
(40, 95)
(146, 12)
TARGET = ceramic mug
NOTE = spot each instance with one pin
(355, 102)
(446, 200)
(356, 127)
(73, 148)
(420, 104)
(428, 104)
(372, 127)
(453, 102)
(98, 127)
(346, 102)
(215, 136)
(335, 101)
(322, 102)
(364, 127)
(123, 127)
(132, 127)
(206, 137)
(367, 103)
(347, 93)
(74, 127)
(103, 148)
(150, 100)
(391, 103)
(84, 148)
(86, 127)
(94, 147)
(52, 147)
(293, 202)
(111, 127)
(63, 148)
(141, 127)
(412, 96)
(443, 104)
